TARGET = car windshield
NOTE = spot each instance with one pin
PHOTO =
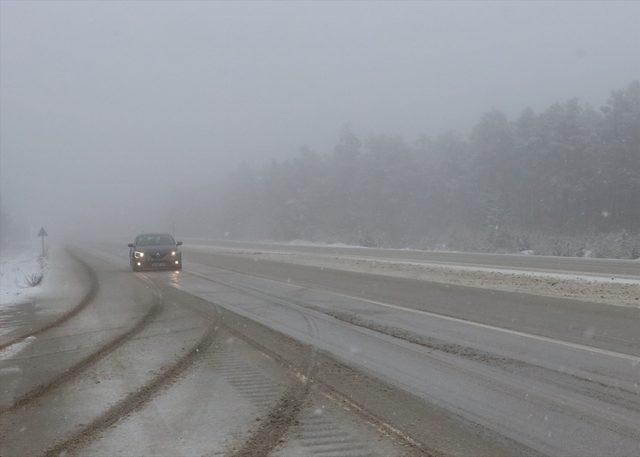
(154, 240)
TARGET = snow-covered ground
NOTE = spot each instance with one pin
(207, 241)
(22, 307)
(16, 269)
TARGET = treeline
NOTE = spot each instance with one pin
(565, 181)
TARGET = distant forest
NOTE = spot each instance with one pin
(565, 181)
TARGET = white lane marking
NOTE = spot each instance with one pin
(567, 274)
(546, 339)
(582, 347)
(499, 273)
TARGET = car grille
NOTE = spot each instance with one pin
(158, 255)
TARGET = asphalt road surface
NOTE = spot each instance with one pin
(593, 266)
(240, 356)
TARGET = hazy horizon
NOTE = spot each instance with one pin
(109, 109)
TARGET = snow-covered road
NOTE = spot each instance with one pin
(243, 355)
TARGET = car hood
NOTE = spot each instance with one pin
(162, 249)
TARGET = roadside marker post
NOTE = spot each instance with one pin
(42, 233)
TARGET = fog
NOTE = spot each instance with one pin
(114, 113)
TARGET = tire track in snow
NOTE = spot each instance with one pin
(86, 362)
(135, 400)
(284, 416)
(277, 422)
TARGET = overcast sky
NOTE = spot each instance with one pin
(107, 106)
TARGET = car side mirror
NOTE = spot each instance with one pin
(130, 245)
(178, 243)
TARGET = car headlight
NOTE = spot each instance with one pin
(138, 254)
(173, 253)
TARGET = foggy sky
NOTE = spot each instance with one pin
(108, 109)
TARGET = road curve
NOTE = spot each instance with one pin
(437, 369)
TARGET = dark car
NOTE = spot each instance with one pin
(152, 251)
